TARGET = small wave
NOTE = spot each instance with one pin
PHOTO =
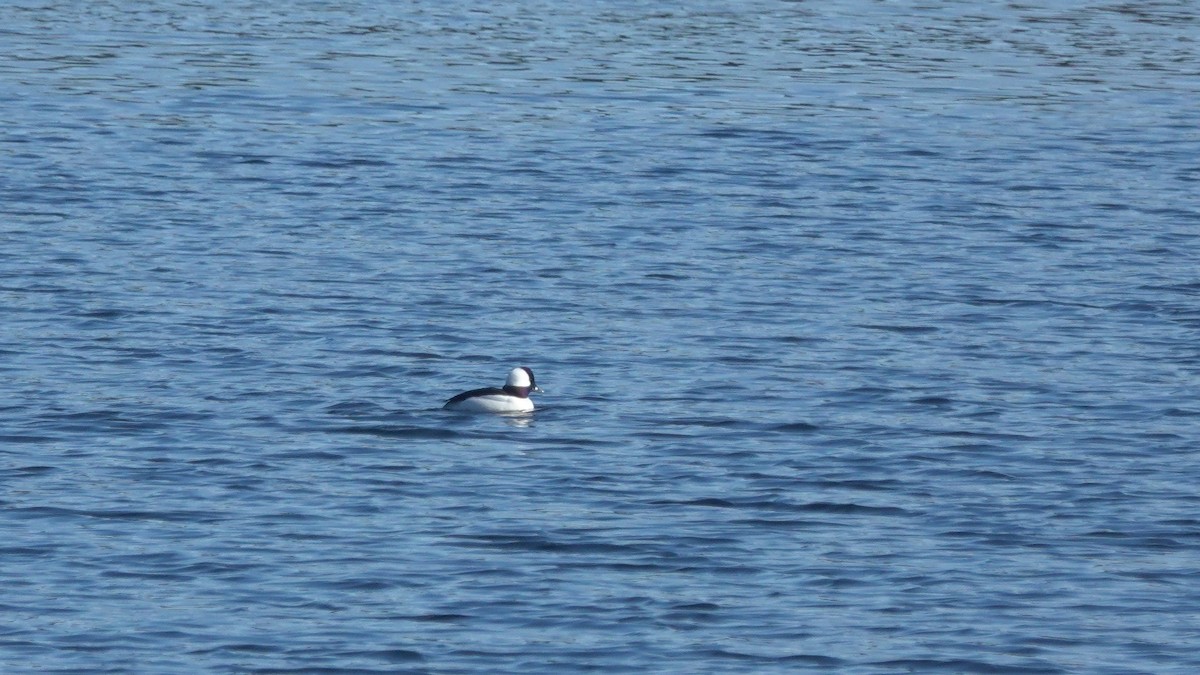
(398, 432)
(539, 543)
(810, 507)
(795, 427)
(121, 514)
(960, 666)
(898, 328)
(792, 659)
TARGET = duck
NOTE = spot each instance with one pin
(512, 398)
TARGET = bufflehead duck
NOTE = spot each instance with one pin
(514, 397)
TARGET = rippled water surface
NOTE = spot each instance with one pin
(869, 332)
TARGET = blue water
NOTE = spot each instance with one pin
(870, 333)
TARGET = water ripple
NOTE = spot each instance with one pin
(867, 329)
